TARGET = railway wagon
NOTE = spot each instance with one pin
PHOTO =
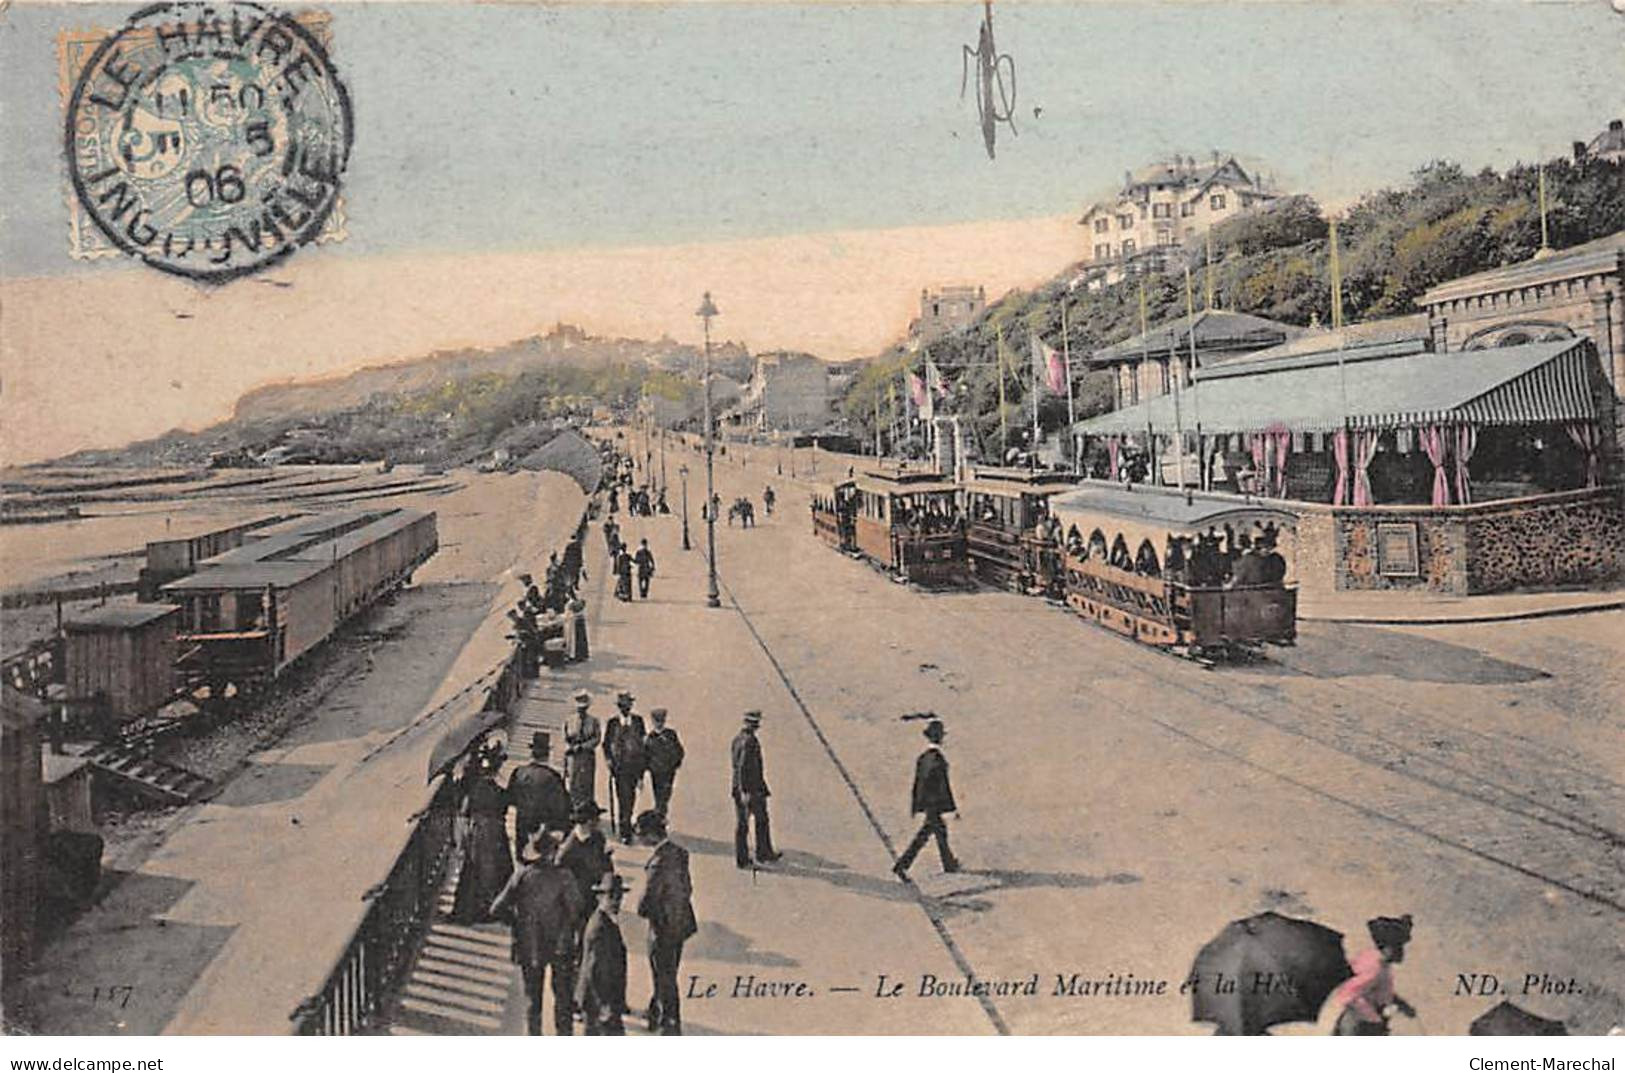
(834, 514)
(252, 612)
(1009, 529)
(1202, 576)
(119, 660)
(909, 525)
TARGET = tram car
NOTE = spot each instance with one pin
(250, 613)
(834, 515)
(1009, 532)
(1201, 576)
(909, 525)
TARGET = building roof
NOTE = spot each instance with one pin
(1598, 255)
(1215, 329)
(1410, 327)
(118, 616)
(1379, 386)
(1611, 140)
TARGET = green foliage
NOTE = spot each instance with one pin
(1395, 244)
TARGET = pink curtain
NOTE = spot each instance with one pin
(1466, 440)
(1283, 444)
(1112, 448)
(1587, 437)
(1340, 453)
(1432, 440)
(1365, 449)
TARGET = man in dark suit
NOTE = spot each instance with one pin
(934, 797)
(750, 796)
(645, 560)
(601, 981)
(664, 756)
(624, 752)
(667, 905)
(537, 793)
(543, 905)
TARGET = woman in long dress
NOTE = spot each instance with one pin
(578, 612)
(487, 860)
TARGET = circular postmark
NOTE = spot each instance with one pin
(209, 139)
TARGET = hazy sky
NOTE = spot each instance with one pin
(516, 164)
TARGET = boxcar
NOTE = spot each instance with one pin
(834, 514)
(1009, 530)
(248, 614)
(909, 525)
(119, 660)
(1200, 575)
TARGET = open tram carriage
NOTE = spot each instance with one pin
(909, 525)
(834, 515)
(1011, 536)
(1201, 576)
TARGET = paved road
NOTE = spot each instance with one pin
(1121, 806)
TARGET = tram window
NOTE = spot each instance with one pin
(1145, 560)
(1074, 542)
(1097, 545)
(1120, 557)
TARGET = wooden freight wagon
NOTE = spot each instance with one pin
(250, 613)
(175, 557)
(119, 660)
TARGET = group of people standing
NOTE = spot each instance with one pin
(626, 562)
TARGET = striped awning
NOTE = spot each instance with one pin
(1391, 385)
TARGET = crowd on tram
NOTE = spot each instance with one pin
(1213, 559)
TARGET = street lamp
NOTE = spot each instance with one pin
(713, 598)
(682, 471)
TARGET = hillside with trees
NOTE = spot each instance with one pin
(1394, 245)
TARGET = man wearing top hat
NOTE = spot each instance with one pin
(542, 903)
(601, 980)
(667, 904)
(933, 797)
(750, 795)
(537, 793)
(581, 737)
(624, 752)
(664, 756)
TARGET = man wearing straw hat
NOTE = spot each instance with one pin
(542, 903)
(581, 737)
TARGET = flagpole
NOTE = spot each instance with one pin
(1004, 431)
(1032, 455)
(1207, 277)
(877, 421)
(1071, 418)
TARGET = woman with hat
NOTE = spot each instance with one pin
(487, 861)
(1368, 995)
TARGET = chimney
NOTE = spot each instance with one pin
(1128, 179)
(1215, 158)
(1616, 124)
(1579, 152)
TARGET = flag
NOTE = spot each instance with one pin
(1048, 366)
(934, 381)
(916, 390)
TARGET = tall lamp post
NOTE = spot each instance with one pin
(713, 598)
(662, 460)
(682, 471)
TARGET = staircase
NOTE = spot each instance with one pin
(153, 779)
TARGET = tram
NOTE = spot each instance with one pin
(909, 525)
(834, 515)
(1010, 535)
(1201, 576)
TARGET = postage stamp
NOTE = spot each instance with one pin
(208, 140)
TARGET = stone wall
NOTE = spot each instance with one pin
(1566, 538)
(1569, 539)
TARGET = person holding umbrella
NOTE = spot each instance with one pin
(1367, 996)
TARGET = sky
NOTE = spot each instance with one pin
(812, 165)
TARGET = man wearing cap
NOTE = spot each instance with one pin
(1368, 995)
(625, 754)
(667, 904)
(933, 797)
(537, 793)
(581, 736)
(543, 905)
(601, 980)
(750, 795)
(665, 756)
